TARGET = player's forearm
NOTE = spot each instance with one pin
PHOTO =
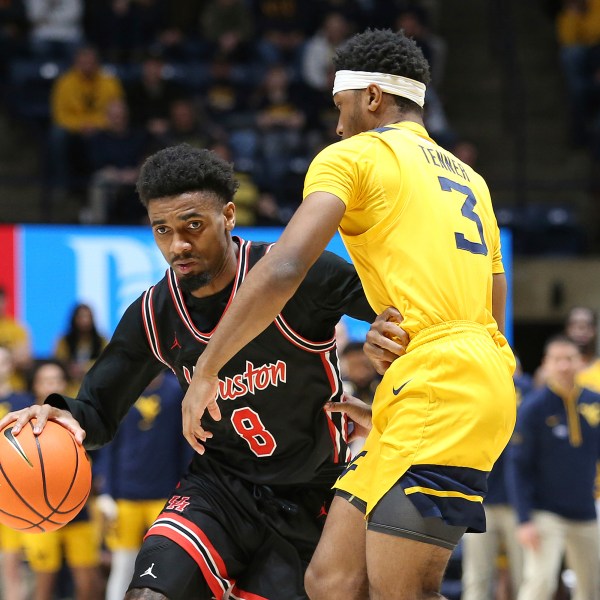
(265, 291)
(499, 293)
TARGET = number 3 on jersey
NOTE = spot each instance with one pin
(247, 424)
(468, 211)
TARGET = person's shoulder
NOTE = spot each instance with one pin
(16, 328)
(361, 142)
(589, 396)
(534, 400)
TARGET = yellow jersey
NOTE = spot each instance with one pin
(419, 225)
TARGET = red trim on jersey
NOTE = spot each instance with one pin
(177, 296)
(213, 582)
(8, 243)
(149, 322)
(202, 536)
(334, 432)
(315, 347)
(329, 342)
(179, 538)
(333, 382)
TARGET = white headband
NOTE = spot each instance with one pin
(392, 84)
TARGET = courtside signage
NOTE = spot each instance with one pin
(51, 268)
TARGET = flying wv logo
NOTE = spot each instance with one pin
(12, 440)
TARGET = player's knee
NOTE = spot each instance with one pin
(144, 594)
(321, 584)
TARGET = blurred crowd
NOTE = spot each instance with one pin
(578, 36)
(107, 82)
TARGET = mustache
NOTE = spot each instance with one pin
(183, 257)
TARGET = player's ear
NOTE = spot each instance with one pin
(229, 215)
(374, 96)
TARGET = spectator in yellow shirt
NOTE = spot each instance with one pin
(79, 100)
(15, 337)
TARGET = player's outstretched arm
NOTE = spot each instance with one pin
(264, 292)
(42, 414)
(386, 340)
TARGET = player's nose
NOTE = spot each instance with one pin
(180, 244)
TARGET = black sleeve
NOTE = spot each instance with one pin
(115, 382)
(330, 289)
(336, 288)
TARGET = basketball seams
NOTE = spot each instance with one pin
(29, 506)
(54, 509)
(76, 482)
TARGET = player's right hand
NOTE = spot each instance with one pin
(201, 396)
(386, 340)
(42, 414)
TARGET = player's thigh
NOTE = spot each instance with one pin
(81, 542)
(134, 517)
(169, 570)
(144, 594)
(151, 510)
(43, 551)
(403, 569)
(406, 553)
(339, 562)
(11, 541)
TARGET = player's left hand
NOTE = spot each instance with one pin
(200, 396)
(386, 340)
(359, 413)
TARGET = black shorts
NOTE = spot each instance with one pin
(219, 535)
(395, 514)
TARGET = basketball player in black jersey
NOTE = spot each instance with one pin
(245, 520)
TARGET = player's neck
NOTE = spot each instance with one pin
(393, 116)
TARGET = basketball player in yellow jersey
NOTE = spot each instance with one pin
(420, 229)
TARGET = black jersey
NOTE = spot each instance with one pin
(274, 429)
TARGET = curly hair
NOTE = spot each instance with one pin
(384, 51)
(179, 169)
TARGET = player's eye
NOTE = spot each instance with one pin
(161, 229)
(195, 224)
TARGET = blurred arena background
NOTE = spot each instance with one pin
(515, 93)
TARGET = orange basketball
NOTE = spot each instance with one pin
(44, 479)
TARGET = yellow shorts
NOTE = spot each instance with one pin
(134, 518)
(78, 542)
(11, 541)
(449, 402)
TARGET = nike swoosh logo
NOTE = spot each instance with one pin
(15, 444)
(396, 391)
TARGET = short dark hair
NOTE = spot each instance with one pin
(179, 169)
(39, 364)
(384, 51)
(559, 338)
(591, 312)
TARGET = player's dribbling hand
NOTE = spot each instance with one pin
(201, 396)
(386, 340)
(42, 413)
(358, 412)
